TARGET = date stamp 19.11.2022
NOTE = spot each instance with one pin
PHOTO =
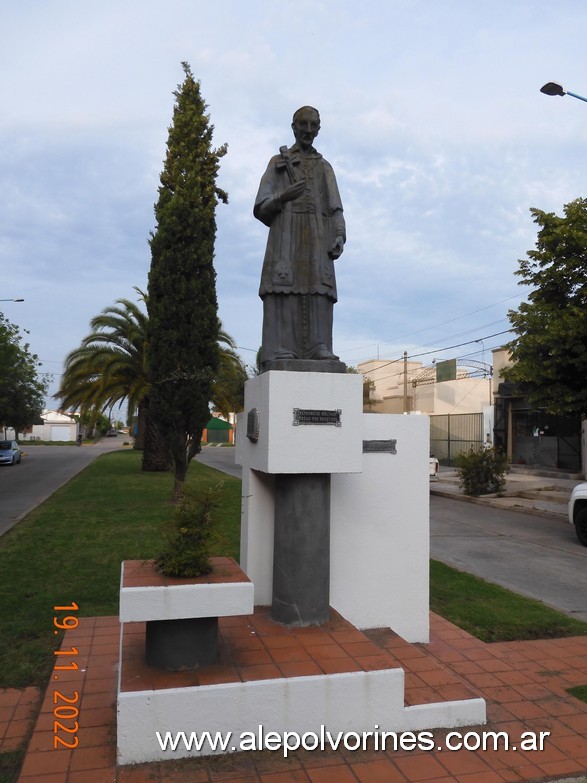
(66, 709)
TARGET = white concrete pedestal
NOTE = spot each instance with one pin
(379, 516)
(279, 401)
(379, 563)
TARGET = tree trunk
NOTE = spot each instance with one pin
(195, 445)
(180, 459)
(154, 453)
(178, 488)
(139, 443)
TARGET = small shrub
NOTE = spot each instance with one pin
(191, 535)
(482, 472)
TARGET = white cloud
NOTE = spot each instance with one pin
(431, 116)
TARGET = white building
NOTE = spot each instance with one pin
(56, 426)
(403, 386)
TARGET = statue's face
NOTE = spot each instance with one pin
(305, 127)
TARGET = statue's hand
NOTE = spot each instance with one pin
(293, 191)
(337, 247)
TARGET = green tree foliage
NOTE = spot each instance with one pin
(549, 353)
(22, 391)
(183, 322)
(93, 424)
(109, 368)
(228, 389)
(257, 368)
(191, 535)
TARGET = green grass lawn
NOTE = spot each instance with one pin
(492, 613)
(10, 764)
(579, 692)
(70, 549)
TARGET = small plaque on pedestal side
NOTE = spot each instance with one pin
(379, 447)
(253, 425)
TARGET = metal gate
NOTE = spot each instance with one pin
(546, 440)
(451, 434)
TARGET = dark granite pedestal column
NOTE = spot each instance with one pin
(301, 554)
(176, 645)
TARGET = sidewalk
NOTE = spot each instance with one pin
(524, 684)
(526, 492)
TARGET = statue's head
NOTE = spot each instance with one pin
(305, 125)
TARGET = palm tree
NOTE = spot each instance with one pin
(229, 384)
(109, 367)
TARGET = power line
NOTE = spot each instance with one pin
(467, 331)
(442, 323)
(440, 350)
(469, 342)
(241, 348)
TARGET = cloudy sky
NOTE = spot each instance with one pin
(431, 116)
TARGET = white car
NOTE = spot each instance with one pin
(433, 469)
(578, 512)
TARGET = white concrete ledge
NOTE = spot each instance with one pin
(350, 702)
(185, 600)
(180, 602)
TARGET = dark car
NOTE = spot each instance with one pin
(10, 453)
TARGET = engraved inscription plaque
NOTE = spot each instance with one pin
(380, 447)
(316, 416)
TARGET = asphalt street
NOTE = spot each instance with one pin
(537, 556)
(43, 469)
(221, 458)
(534, 555)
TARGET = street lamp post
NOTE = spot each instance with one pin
(554, 88)
(11, 300)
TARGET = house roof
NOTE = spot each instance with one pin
(218, 424)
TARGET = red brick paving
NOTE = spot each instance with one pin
(17, 711)
(524, 684)
(254, 648)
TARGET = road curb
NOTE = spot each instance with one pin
(510, 504)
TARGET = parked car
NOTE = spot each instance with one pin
(578, 512)
(10, 453)
(112, 433)
(433, 471)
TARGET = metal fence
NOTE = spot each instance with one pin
(451, 434)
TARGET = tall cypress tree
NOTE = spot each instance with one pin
(182, 341)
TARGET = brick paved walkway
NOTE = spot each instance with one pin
(17, 712)
(524, 684)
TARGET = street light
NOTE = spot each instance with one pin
(11, 300)
(554, 88)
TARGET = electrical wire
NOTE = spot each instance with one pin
(438, 350)
(442, 323)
